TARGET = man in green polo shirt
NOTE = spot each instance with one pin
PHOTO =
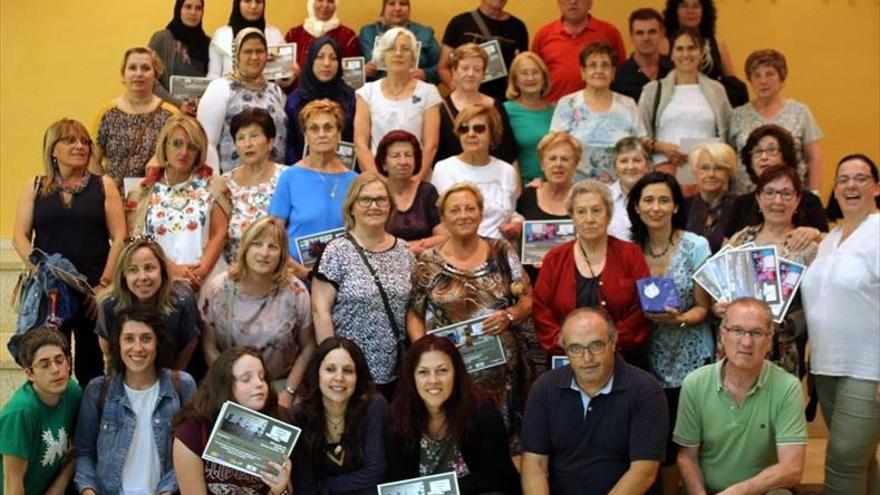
(740, 425)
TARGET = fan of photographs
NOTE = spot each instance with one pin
(751, 271)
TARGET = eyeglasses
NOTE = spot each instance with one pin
(768, 194)
(316, 129)
(769, 151)
(739, 332)
(178, 143)
(147, 238)
(598, 66)
(477, 128)
(366, 201)
(859, 179)
(71, 140)
(44, 364)
(595, 347)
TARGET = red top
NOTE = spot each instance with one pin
(554, 294)
(560, 51)
(346, 38)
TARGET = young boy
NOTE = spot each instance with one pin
(36, 425)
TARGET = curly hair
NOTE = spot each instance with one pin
(786, 146)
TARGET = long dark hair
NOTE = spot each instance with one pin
(151, 318)
(237, 21)
(833, 209)
(639, 230)
(193, 38)
(408, 411)
(312, 416)
(707, 21)
(216, 388)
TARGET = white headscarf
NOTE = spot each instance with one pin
(317, 27)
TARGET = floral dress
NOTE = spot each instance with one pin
(128, 140)
(248, 204)
(674, 352)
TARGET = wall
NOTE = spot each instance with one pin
(62, 58)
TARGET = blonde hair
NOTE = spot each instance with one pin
(56, 132)
(459, 187)
(265, 225)
(467, 50)
(155, 60)
(316, 107)
(471, 111)
(720, 153)
(559, 137)
(512, 92)
(588, 186)
(193, 130)
(386, 43)
(119, 290)
(355, 189)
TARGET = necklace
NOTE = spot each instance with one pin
(335, 184)
(335, 426)
(77, 187)
(395, 94)
(665, 250)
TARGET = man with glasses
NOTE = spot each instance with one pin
(597, 425)
(36, 425)
(740, 425)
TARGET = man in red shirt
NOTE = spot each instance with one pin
(560, 42)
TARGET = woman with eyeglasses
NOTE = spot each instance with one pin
(768, 146)
(141, 280)
(779, 192)
(362, 284)
(77, 214)
(708, 211)
(182, 204)
(479, 129)
(841, 293)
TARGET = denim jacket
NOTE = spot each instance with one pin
(103, 437)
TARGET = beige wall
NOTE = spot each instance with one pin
(61, 58)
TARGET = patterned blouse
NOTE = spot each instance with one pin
(128, 140)
(248, 204)
(674, 352)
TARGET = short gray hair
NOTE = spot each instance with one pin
(386, 42)
(753, 302)
(587, 311)
(590, 186)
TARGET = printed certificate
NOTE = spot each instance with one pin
(540, 236)
(754, 272)
(479, 350)
(280, 64)
(790, 276)
(344, 151)
(496, 68)
(353, 71)
(558, 362)
(310, 247)
(246, 440)
(436, 484)
(188, 88)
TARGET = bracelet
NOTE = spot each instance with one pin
(290, 390)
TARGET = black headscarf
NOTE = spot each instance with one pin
(311, 88)
(193, 38)
(238, 22)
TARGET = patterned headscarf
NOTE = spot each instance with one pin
(239, 40)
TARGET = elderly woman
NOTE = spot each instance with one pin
(243, 14)
(308, 198)
(322, 20)
(841, 293)
(441, 423)
(181, 203)
(141, 280)
(597, 116)
(701, 15)
(685, 106)
(321, 79)
(396, 13)
(767, 71)
(559, 153)
(252, 184)
(631, 162)
(257, 303)
(183, 49)
(362, 281)
(681, 338)
(528, 110)
(344, 424)
(416, 219)
(779, 192)
(397, 101)
(479, 128)
(74, 213)
(593, 270)
(708, 211)
(127, 126)
(768, 146)
(245, 87)
(468, 64)
(470, 276)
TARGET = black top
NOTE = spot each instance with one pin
(485, 452)
(527, 206)
(420, 219)
(449, 144)
(78, 231)
(709, 222)
(629, 78)
(745, 212)
(511, 34)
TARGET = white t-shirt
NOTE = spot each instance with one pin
(389, 115)
(687, 116)
(142, 468)
(841, 296)
(497, 182)
(220, 52)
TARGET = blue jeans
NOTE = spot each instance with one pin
(853, 418)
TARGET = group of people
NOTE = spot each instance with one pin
(291, 245)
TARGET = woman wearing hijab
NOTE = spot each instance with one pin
(322, 21)
(245, 87)
(244, 14)
(321, 79)
(183, 48)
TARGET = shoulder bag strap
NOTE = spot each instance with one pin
(448, 110)
(481, 24)
(382, 293)
(655, 117)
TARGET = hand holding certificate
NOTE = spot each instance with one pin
(540, 236)
(478, 349)
(436, 484)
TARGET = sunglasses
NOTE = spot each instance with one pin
(180, 144)
(477, 128)
(147, 238)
